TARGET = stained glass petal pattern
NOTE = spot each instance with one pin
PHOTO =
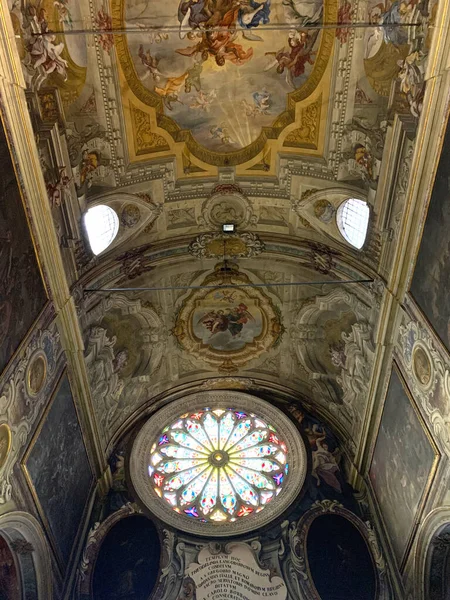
(217, 465)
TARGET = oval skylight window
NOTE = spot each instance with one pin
(102, 225)
(353, 219)
(218, 464)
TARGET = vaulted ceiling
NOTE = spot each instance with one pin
(183, 116)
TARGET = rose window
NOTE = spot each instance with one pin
(217, 466)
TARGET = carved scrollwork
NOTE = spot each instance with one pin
(430, 389)
(19, 408)
(222, 245)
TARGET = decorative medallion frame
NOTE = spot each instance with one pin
(298, 534)
(140, 456)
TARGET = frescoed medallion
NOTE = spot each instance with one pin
(36, 374)
(227, 326)
(421, 366)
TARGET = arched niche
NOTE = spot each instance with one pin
(432, 563)
(335, 555)
(121, 559)
(11, 585)
(22, 542)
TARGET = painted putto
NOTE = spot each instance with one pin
(222, 68)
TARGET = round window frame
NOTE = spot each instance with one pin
(340, 226)
(160, 509)
(116, 227)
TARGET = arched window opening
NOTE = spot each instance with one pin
(102, 225)
(353, 219)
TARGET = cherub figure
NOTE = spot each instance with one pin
(55, 191)
(150, 63)
(293, 59)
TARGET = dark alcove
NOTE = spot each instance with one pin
(339, 560)
(128, 561)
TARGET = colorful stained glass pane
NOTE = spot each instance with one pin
(239, 432)
(227, 495)
(212, 429)
(175, 466)
(250, 440)
(197, 415)
(218, 515)
(180, 452)
(256, 451)
(255, 479)
(225, 428)
(183, 478)
(184, 439)
(280, 457)
(209, 496)
(278, 478)
(191, 512)
(158, 479)
(171, 498)
(156, 458)
(244, 511)
(242, 487)
(211, 465)
(191, 491)
(197, 431)
(266, 497)
(259, 464)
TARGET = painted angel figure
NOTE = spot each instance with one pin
(214, 321)
(171, 91)
(325, 465)
(260, 106)
(292, 59)
(233, 320)
(150, 63)
(64, 14)
(221, 133)
(302, 13)
(56, 190)
(262, 101)
(203, 100)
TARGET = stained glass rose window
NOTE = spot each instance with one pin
(218, 465)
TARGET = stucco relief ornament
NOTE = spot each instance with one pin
(226, 326)
(217, 245)
(19, 409)
(227, 204)
(355, 375)
(104, 366)
(428, 374)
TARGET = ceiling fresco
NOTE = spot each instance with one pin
(218, 82)
(184, 115)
